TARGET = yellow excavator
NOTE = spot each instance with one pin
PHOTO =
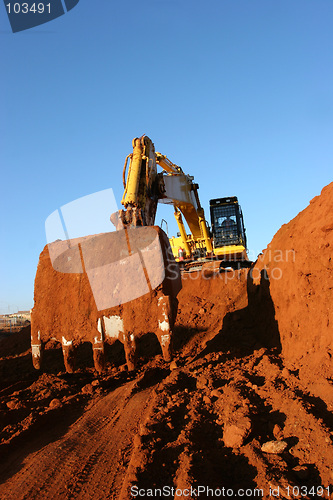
(122, 284)
(225, 242)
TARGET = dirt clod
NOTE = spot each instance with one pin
(277, 432)
(173, 365)
(55, 403)
(235, 435)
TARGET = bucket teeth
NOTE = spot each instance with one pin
(130, 349)
(98, 346)
(68, 351)
(37, 347)
(37, 355)
(98, 351)
(165, 323)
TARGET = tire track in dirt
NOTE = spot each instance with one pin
(88, 461)
(169, 428)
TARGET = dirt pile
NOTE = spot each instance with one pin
(206, 422)
(206, 301)
(16, 343)
(299, 266)
(236, 411)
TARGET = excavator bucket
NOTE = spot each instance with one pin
(102, 288)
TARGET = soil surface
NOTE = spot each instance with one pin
(235, 414)
(296, 275)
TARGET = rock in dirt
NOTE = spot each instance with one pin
(216, 393)
(234, 435)
(87, 389)
(202, 382)
(274, 447)
(207, 400)
(14, 404)
(55, 403)
(277, 432)
(173, 365)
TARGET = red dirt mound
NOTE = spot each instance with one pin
(299, 266)
(204, 302)
(16, 343)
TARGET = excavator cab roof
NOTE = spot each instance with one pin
(223, 201)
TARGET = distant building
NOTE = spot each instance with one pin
(18, 318)
(24, 315)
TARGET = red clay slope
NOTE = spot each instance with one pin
(299, 266)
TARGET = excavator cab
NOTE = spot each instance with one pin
(229, 237)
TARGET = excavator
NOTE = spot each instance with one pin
(225, 242)
(123, 284)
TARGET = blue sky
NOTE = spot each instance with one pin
(238, 93)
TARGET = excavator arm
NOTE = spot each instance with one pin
(145, 187)
(140, 194)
